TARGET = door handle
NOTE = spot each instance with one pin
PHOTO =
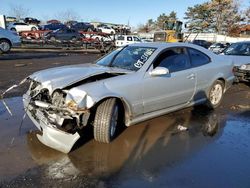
(191, 76)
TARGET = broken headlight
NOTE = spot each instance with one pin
(245, 67)
(78, 100)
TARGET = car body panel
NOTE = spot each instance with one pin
(64, 34)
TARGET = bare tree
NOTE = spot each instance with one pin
(18, 11)
(67, 15)
(247, 15)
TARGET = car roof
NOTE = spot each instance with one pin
(164, 45)
(248, 42)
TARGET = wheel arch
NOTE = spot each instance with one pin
(7, 40)
(223, 81)
(126, 109)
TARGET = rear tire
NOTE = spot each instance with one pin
(13, 29)
(89, 30)
(5, 46)
(106, 121)
(33, 29)
(215, 94)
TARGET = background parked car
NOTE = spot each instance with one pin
(218, 47)
(30, 20)
(53, 26)
(202, 43)
(106, 29)
(240, 54)
(53, 21)
(18, 27)
(7, 40)
(83, 26)
(242, 73)
(123, 40)
(64, 34)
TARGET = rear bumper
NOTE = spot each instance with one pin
(51, 136)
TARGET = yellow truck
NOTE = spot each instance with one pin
(172, 32)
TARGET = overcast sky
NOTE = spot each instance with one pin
(117, 11)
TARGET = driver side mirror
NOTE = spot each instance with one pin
(159, 71)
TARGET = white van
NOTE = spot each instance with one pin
(123, 40)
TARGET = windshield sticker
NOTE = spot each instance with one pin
(140, 62)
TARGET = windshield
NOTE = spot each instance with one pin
(242, 49)
(130, 57)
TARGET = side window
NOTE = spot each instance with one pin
(129, 39)
(120, 38)
(198, 58)
(174, 59)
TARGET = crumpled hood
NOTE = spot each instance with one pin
(60, 77)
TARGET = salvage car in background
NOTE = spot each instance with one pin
(83, 26)
(124, 40)
(218, 47)
(240, 54)
(106, 29)
(18, 27)
(127, 86)
(202, 43)
(63, 34)
(8, 39)
(53, 26)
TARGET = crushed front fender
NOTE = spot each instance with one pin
(51, 136)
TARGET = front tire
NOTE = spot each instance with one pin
(53, 39)
(5, 46)
(106, 121)
(215, 94)
(33, 29)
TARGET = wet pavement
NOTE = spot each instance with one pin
(214, 151)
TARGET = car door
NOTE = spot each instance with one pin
(173, 89)
(129, 40)
(60, 34)
(19, 27)
(23, 27)
(204, 70)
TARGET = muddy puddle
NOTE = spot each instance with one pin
(214, 151)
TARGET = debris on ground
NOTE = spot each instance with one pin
(182, 128)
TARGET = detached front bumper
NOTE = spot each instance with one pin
(51, 136)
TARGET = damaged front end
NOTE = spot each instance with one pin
(58, 114)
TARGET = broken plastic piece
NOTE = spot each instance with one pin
(8, 109)
(182, 128)
(12, 87)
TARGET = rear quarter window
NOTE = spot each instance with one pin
(198, 58)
